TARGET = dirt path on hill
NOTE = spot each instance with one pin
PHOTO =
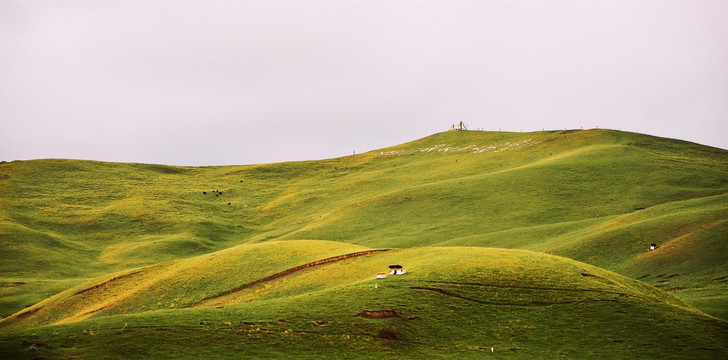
(108, 282)
(598, 291)
(286, 273)
(531, 303)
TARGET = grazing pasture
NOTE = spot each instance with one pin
(534, 244)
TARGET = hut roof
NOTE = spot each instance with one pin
(395, 266)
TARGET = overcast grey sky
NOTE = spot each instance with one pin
(202, 83)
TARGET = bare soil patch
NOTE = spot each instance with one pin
(387, 335)
(378, 314)
(28, 313)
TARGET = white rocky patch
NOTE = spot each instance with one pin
(475, 149)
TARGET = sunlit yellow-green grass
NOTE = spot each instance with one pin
(453, 301)
(86, 244)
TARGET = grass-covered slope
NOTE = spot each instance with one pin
(454, 301)
(171, 237)
(176, 283)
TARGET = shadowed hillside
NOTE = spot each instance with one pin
(86, 242)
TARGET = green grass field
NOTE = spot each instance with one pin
(534, 244)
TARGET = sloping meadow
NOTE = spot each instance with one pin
(453, 301)
(134, 251)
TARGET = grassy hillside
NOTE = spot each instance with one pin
(454, 301)
(162, 237)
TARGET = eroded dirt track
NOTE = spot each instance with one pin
(529, 303)
(289, 272)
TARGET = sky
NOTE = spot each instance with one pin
(231, 83)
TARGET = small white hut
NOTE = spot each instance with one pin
(397, 270)
(381, 275)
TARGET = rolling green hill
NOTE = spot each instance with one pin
(534, 244)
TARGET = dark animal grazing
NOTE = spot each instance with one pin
(219, 192)
(228, 203)
(204, 192)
